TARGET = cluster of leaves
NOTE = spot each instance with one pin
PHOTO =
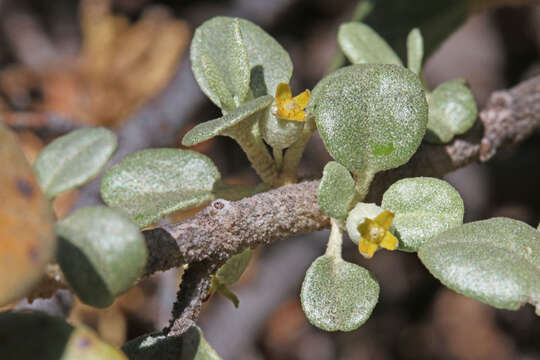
(100, 249)
(372, 116)
(94, 254)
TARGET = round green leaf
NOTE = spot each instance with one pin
(269, 63)
(231, 271)
(151, 184)
(337, 295)
(216, 87)
(336, 190)
(424, 208)
(74, 159)
(209, 129)
(415, 51)
(220, 62)
(362, 45)
(101, 252)
(36, 335)
(370, 117)
(496, 261)
(191, 345)
(452, 111)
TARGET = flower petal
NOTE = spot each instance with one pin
(366, 248)
(283, 92)
(298, 115)
(364, 227)
(302, 99)
(389, 241)
(385, 219)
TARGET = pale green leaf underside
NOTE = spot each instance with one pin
(496, 261)
(362, 45)
(415, 51)
(269, 63)
(336, 190)
(337, 295)
(371, 117)
(231, 271)
(102, 253)
(191, 345)
(74, 159)
(280, 133)
(452, 111)
(209, 129)
(151, 184)
(424, 207)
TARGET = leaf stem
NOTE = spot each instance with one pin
(278, 157)
(250, 140)
(335, 240)
(362, 183)
(293, 154)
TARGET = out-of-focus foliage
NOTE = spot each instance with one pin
(101, 252)
(74, 159)
(27, 241)
(35, 335)
(121, 66)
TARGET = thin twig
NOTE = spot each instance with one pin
(193, 291)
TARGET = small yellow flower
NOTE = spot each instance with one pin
(375, 233)
(288, 107)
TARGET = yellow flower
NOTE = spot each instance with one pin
(375, 233)
(290, 108)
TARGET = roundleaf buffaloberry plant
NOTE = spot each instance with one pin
(374, 115)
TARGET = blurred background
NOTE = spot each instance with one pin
(123, 64)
